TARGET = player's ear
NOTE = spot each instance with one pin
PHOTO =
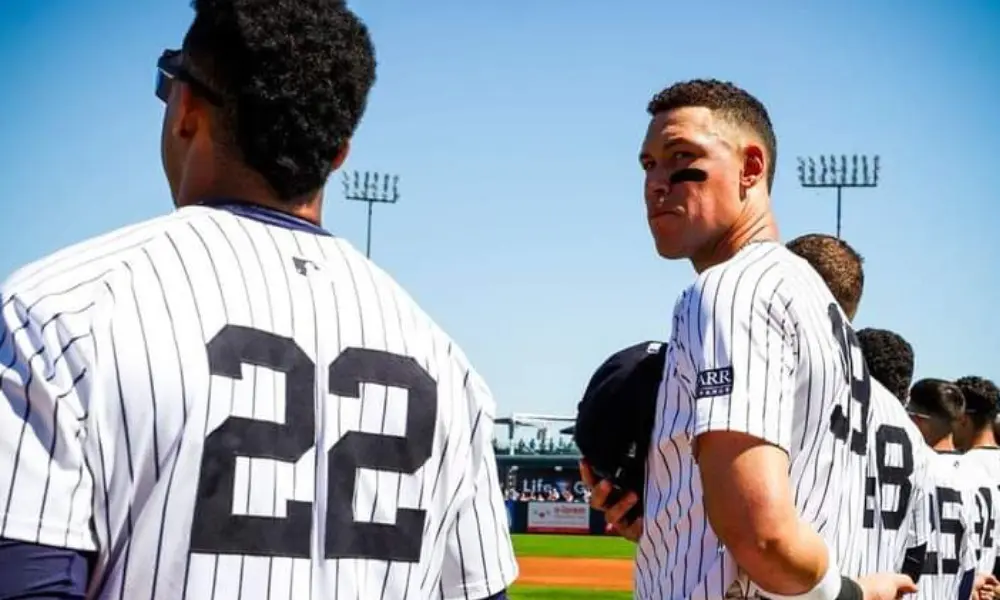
(754, 168)
(189, 113)
(341, 156)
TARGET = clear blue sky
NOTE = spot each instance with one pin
(515, 127)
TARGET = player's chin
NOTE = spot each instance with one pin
(669, 247)
(668, 235)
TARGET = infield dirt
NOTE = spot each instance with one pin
(594, 573)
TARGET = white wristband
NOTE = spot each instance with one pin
(828, 587)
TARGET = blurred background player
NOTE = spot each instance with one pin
(229, 401)
(935, 405)
(731, 422)
(840, 266)
(973, 433)
(890, 359)
(894, 523)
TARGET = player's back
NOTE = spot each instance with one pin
(261, 413)
(951, 545)
(896, 487)
(982, 466)
(759, 346)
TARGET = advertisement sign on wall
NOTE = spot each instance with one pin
(558, 517)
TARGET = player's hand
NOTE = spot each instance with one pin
(615, 514)
(985, 587)
(886, 586)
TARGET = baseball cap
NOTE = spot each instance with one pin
(614, 420)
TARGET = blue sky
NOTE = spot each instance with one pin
(515, 128)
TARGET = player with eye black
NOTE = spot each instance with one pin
(746, 437)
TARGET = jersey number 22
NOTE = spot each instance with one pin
(216, 530)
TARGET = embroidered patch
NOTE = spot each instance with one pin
(714, 382)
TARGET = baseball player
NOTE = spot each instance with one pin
(228, 401)
(899, 480)
(763, 401)
(838, 263)
(895, 523)
(973, 432)
(934, 405)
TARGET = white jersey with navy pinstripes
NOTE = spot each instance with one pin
(758, 346)
(982, 466)
(896, 489)
(226, 403)
(952, 545)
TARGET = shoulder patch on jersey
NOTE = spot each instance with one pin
(714, 382)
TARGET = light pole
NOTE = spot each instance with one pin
(372, 188)
(853, 173)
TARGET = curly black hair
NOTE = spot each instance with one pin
(981, 398)
(294, 76)
(837, 263)
(889, 358)
(733, 102)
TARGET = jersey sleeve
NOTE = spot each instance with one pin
(479, 558)
(738, 347)
(46, 373)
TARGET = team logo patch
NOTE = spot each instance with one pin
(714, 382)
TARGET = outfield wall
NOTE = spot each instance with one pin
(532, 475)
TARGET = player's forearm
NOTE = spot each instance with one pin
(749, 503)
(788, 560)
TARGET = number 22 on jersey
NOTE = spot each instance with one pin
(216, 530)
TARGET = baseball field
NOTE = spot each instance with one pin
(569, 567)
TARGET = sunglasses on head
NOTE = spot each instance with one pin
(170, 68)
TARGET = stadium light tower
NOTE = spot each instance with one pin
(840, 174)
(373, 188)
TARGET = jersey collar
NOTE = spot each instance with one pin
(268, 216)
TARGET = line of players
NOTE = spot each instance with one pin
(933, 481)
(955, 420)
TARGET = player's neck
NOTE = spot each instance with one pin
(984, 439)
(756, 227)
(308, 208)
(945, 444)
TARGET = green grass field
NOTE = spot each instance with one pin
(569, 546)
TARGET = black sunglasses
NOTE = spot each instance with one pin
(170, 68)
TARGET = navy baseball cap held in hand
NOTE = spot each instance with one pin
(614, 420)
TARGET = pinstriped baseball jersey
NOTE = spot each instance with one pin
(982, 466)
(896, 488)
(229, 403)
(759, 346)
(951, 548)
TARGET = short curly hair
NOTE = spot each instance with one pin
(981, 398)
(294, 76)
(734, 103)
(889, 358)
(840, 266)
